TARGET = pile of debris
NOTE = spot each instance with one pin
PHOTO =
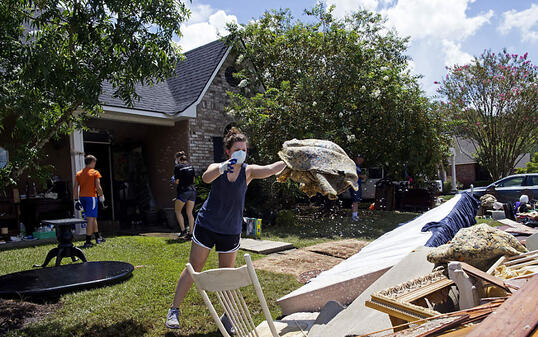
(481, 281)
(461, 300)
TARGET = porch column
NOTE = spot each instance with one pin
(454, 181)
(76, 146)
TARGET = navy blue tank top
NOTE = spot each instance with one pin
(222, 212)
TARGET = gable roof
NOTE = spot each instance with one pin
(466, 151)
(177, 93)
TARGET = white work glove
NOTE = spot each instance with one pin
(102, 199)
(227, 166)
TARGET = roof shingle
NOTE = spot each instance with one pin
(177, 93)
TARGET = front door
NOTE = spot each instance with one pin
(101, 150)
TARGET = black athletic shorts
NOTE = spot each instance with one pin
(187, 195)
(223, 243)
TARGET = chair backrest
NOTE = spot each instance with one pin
(226, 284)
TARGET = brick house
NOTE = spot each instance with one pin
(468, 171)
(135, 146)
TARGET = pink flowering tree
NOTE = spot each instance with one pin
(493, 101)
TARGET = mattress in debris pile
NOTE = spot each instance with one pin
(478, 246)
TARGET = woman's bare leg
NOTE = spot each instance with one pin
(189, 208)
(197, 259)
(227, 260)
(178, 206)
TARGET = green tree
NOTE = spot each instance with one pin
(493, 101)
(55, 55)
(347, 81)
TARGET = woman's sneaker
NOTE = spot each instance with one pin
(87, 245)
(172, 319)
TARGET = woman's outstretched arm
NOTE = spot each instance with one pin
(265, 171)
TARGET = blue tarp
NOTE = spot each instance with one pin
(462, 215)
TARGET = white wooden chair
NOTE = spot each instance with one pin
(226, 284)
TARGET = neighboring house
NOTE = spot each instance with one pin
(135, 146)
(468, 171)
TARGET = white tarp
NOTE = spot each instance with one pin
(384, 252)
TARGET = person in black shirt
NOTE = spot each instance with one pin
(186, 192)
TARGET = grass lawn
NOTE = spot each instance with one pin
(489, 221)
(447, 197)
(137, 307)
(311, 230)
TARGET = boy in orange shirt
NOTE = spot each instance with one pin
(89, 182)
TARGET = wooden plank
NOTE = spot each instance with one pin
(432, 327)
(264, 246)
(496, 264)
(459, 333)
(509, 222)
(484, 276)
(342, 249)
(524, 259)
(515, 318)
(520, 265)
(520, 229)
(521, 255)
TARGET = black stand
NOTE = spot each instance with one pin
(65, 242)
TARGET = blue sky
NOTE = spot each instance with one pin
(443, 32)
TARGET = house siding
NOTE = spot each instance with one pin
(161, 148)
(466, 173)
(211, 119)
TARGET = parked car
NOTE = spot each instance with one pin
(510, 188)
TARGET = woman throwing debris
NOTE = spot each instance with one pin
(219, 221)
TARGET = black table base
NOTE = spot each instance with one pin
(65, 242)
(61, 252)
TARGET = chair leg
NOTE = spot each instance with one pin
(52, 253)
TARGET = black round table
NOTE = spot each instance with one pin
(56, 280)
(65, 241)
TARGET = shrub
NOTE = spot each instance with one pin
(447, 187)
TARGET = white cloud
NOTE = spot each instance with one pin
(199, 12)
(436, 27)
(525, 21)
(205, 25)
(346, 7)
(454, 54)
(440, 19)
